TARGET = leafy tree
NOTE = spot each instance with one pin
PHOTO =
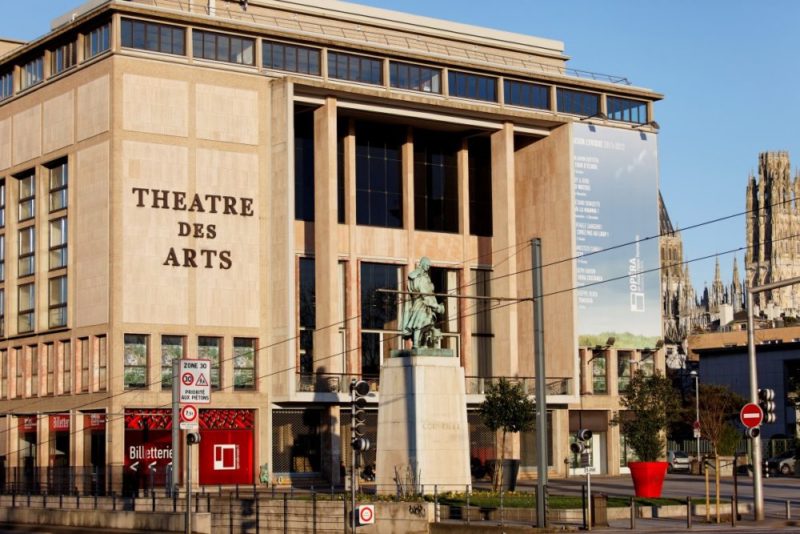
(508, 409)
(652, 404)
(719, 407)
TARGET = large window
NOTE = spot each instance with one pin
(435, 181)
(172, 348)
(2, 257)
(62, 58)
(292, 58)
(415, 77)
(50, 355)
(599, 373)
(577, 102)
(3, 374)
(26, 301)
(66, 366)
(26, 264)
(102, 363)
(307, 314)
(58, 243)
(379, 186)
(244, 363)
(2, 312)
(380, 315)
(6, 85)
(210, 348)
(528, 95)
(474, 86)
(153, 37)
(304, 164)
(626, 110)
(355, 68)
(58, 302)
(32, 73)
(480, 186)
(135, 356)
(2, 203)
(59, 180)
(27, 196)
(33, 350)
(482, 334)
(85, 354)
(96, 41)
(222, 47)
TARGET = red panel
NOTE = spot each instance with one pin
(144, 449)
(223, 419)
(153, 419)
(226, 457)
(59, 422)
(27, 424)
(94, 421)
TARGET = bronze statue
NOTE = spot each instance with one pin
(419, 319)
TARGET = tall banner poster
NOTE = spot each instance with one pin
(616, 227)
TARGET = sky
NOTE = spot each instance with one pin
(727, 69)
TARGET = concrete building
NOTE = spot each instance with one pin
(234, 181)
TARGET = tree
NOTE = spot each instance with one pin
(508, 409)
(719, 406)
(652, 404)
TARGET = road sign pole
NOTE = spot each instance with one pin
(188, 520)
(176, 433)
(758, 484)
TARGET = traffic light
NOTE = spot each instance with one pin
(766, 400)
(753, 433)
(192, 438)
(582, 441)
(359, 389)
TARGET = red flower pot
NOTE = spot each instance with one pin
(648, 478)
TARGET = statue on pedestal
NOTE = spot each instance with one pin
(419, 319)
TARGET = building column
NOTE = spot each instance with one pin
(464, 305)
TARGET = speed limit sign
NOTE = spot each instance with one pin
(366, 514)
(189, 417)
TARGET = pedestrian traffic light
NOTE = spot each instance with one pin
(766, 400)
(359, 389)
(192, 438)
(753, 433)
(583, 439)
(361, 444)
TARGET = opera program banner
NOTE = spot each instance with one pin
(616, 221)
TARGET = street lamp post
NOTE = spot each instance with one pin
(696, 426)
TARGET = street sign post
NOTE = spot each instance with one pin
(195, 382)
(751, 415)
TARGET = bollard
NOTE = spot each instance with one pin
(788, 509)
(314, 513)
(436, 503)
(633, 513)
(153, 500)
(734, 505)
(688, 512)
(468, 496)
(113, 501)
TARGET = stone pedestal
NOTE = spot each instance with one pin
(423, 437)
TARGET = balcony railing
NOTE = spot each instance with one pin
(474, 385)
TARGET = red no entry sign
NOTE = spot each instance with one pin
(751, 415)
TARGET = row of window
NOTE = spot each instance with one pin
(137, 360)
(47, 369)
(170, 39)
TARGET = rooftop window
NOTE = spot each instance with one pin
(527, 95)
(292, 58)
(62, 58)
(474, 86)
(6, 85)
(221, 47)
(153, 37)
(355, 68)
(32, 73)
(578, 102)
(97, 41)
(626, 110)
(415, 77)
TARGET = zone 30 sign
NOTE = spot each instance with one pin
(195, 381)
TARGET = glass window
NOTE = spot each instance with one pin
(6, 85)
(32, 73)
(342, 127)
(27, 196)
(577, 102)
(58, 243)
(474, 86)
(624, 364)
(3, 374)
(355, 68)
(102, 364)
(209, 348)
(292, 58)
(136, 356)
(33, 350)
(63, 57)
(379, 185)
(2, 203)
(96, 41)
(482, 333)
(599, 374)
(66, 365)
(244, 363)
(380, 314)
(626, 110)
(528, 95)
(415, 77)
(307, 307)
(27, 250)
(304, 165)
(20, 364)
(436, 181)
(85, 353)
(172, 348)
(2, 312)
(222, 47)
(50, 354)
(480, 186)
(58, 302)
(59, 178)
(26, 297)
(153, 37)
(2, 257)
